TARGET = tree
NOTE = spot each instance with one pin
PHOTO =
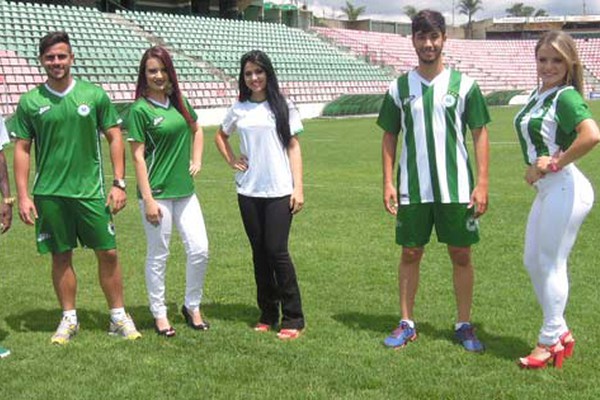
(410, 11)
(353, 12)
(469, 8)
(521, 10)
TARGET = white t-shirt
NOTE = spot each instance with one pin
(3, 134)
(268, 173)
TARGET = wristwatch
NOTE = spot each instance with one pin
(9, 201)
(120, 183)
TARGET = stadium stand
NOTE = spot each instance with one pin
(108, 48)
(314, 67)
(496, 64)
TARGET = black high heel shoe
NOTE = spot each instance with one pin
(167, 332)
(189, 320)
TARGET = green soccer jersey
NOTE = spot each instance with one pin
(547, 122)
(434, 163)
(65, 129)
(167, 139)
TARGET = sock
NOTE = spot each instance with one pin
(459, 325)
(70, 315)
(117, 314)
(410, 322)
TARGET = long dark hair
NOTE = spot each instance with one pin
(174, 94)
(276, 100)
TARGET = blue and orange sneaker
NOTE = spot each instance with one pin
(401, 336)
(466, 336)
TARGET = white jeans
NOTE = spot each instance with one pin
(186, 214)
(563, 201)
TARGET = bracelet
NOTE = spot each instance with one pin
(9, 201)
(553, 166)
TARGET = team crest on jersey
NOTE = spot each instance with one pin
(43, 109)
(472, 224)
(158, 120)
(408, 99)
(84, 110)
(450, 99)
(111, 228)
(537, 113)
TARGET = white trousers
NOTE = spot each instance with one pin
(186, 214)
(563, 201)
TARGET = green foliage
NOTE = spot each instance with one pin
(343, 248)
(352, 12)
(501, 97)
(521, 10)
(354, 104)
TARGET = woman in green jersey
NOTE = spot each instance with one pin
(164, 134)
(555, 128)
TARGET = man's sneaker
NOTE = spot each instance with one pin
(124, 328)
(401, 336)
(466, 336)
(4, 352)
(65, 331)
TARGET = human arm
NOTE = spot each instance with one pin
(295, 156)
(388, 158)
(117, 198)
(5, 208)
(588, 136)
(22, 155)
(197, 149)
(224, 147)
(152, 210)
(479, 196)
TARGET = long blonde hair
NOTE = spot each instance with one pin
(564, 44)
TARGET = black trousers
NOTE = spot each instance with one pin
(267, 222)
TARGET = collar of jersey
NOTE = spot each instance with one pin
(431, 82)
(159, 104)
(547, 93)
(60, 94)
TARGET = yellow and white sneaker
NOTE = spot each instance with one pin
(65, 332)
(124, 328)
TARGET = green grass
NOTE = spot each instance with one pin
(344, 251)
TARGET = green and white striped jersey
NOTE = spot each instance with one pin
(434, 163)
(547, 122)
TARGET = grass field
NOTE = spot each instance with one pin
(344, 251)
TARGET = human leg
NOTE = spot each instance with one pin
(252, 212)
(278, 219)
(463, 280)
(187, 215)
(157, 252)
(567, 203)
(65, 286)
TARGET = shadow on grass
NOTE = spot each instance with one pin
(507, 347)
(231, 312)
(3, 335)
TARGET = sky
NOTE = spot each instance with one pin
(392, 10)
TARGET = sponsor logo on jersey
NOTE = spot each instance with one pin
(450, 99)
(158, 120)
(472, 224)
(84, 110)
(43, 237)
(43, 109)
(408, 99)
(111, 228)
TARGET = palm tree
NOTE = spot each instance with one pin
(469, 8)
(353, 12)
(410, 11)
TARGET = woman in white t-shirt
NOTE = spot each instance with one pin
(269, 187)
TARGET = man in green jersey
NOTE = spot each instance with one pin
(433, 106)
(63, 118)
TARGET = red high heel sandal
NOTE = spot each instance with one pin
(568, 342)
(555, 357)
